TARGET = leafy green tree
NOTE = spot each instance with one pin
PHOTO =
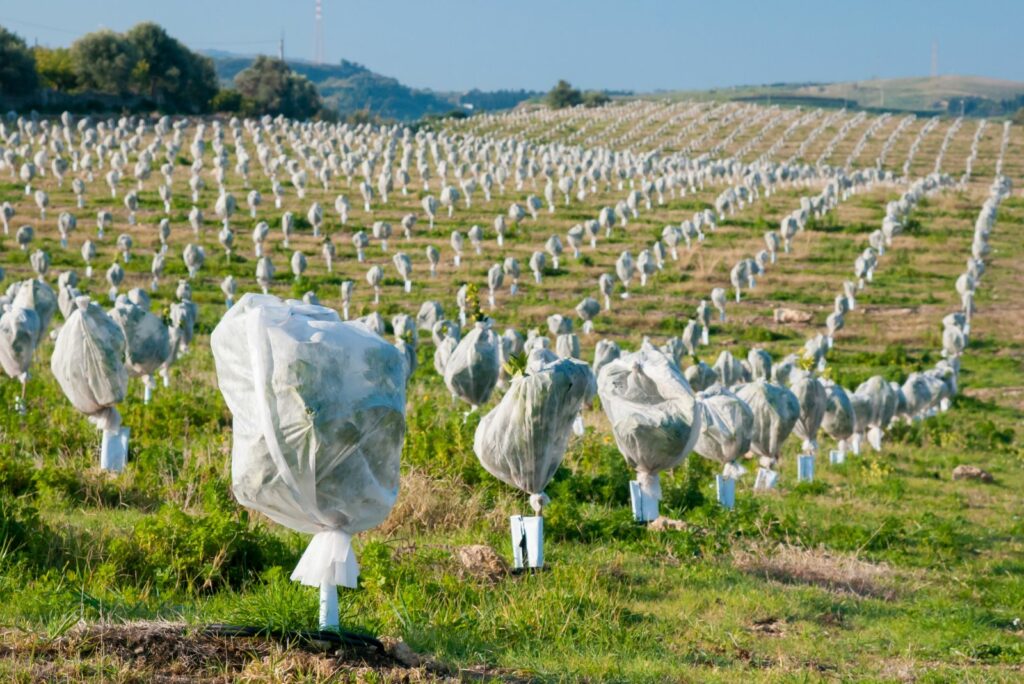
(228, 100)
(273, 88)
(563, 95)
(168, 72)
(104, 61)
(56, 68)
(17, 65)
(595, 98)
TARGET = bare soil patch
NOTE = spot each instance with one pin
(173, 653)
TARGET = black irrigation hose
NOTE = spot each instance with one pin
(335, 637)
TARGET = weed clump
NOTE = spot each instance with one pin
(175, 550)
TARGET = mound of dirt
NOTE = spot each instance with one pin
(793, 316)
(480, 560)
(971, 472)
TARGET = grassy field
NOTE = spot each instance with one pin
(916, 94)
(882, 569)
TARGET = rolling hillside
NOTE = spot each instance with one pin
(942, 93)
(351, 87)
(977, 95)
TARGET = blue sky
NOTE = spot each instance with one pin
(629, 44)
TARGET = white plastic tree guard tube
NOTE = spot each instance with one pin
(318, 410)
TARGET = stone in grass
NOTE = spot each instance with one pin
(970, 472)
(663, 524)
(482, 561)
(784, 315)
(400, 651)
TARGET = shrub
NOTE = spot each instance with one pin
(21, 530)
(228, 101)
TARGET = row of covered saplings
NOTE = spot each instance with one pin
(656, 417)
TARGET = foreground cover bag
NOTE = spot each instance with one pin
(318, 410)
(19, 331)
(88, 363)
(882, 407)
(472, 370)
(726, 427)
(36, 295)
(776, 411)
(653, 413)
(839, 421)
(147, 339)
(522, 440)
(813, 400)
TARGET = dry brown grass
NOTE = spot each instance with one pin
(839, 573)
(173, 653)
(426, 504)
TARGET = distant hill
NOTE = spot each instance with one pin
(351, 87)
(976, 95)
(942, 93)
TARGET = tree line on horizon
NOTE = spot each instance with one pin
(144, 69)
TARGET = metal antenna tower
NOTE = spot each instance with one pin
(318, 37)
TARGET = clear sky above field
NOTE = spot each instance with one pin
(626, 44)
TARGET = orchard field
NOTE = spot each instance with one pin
(883, 568)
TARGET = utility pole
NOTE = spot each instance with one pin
(318, 37)
(280, 47)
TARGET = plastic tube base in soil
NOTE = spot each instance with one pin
(114, 450)
(805, 468)
(765, 480)
(836, 457)
(645, 507)
(527, 541)
(725, 491)
(875, 438)
(329, 607)
(577, 425)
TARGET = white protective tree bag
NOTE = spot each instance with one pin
(472, 369)
(776, 411)
(813, 399)
(318, 410)
(654, 416)
(88, 363)
(147, 339)
(882, 407)
(522, 440)
(701, 376)
(19, 333)
(726, 428)
(839, 421)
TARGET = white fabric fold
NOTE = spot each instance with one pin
(329, 559)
